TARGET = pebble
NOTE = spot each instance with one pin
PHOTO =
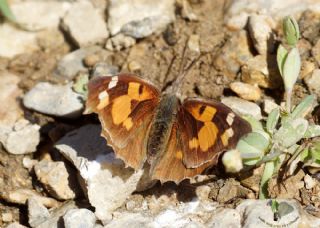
(140, 18)
(7, 217)
(316, 51)
(203, 192)
(246, 91)
(20, 196)
(22, 129)
(37, 212)
(85, 24)
(48, 172)
(108, 182)
(73, 63)
(269, 105)
(234, 54)
(15, 225)
(307, 67)
(263, 71)
(120, 42)
(309, 181)
(44, 14)
(104, 69)
(261, 33)
(56, 100)
(134, 220)
(187, 11)
(76, 218)
(309, 25)
(313, 82)
(243, 107)
(225, 217)
(194, 43)
(15, 41)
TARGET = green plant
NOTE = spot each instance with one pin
(6, 11)
(281, 140)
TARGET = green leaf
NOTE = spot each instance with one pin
(255, 124)
(291, 30)
(304, 107)
(312, 131)
(80, 85)
(291, 132)
(253, 145)
(274, 205)
(282, 54)
(291, 69)
(272, 120)
(284, 209)
(266, 176)
(6, 11)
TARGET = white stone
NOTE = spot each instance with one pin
(309, 181)
(85, 24)
(139, 18)
(242, 107)
(76, 218)
(269, 105)
(313, 82)
(37, 212)
(225, 217)
(38, 15)
(56, 100)
(15, 225)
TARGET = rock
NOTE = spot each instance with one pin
(234, 54)
(107, 181)
(56, 100)
(75, 218)
(260, 28)
(239, 11)
(307, 68)
(316, 51)
(37, 213)
(309, 181)
(269, 105)
(73, 63)
(258, 213)
(37, 15)
(263, 71)
(313, 82)
(187, 11)
(194, 43)
(15, 225)
(104, 69)
(133, 220)
(309, 25)
(225, 217)
(246, 91)
(119, 42)
(140, 18)
(22, 129)
(48, 172)
(29, 163)
(203, 192)
(85, 24)
(231, 190)
(20, 196)
(15, 41)
(55, 219)
(242, 107)
(7, 217)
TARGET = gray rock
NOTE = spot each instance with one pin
(10, 137)
(313, 82)
(107, 181)
(258, 213)
(20, 196)
(85, 24)
(132, 220)
(140, 18)
(243, 107)
(56, 179)
(260, 28)
(37, 213)
(15, 41)
(119, 42)
(104, 69)
(15, 225)
(56, 100)
(38, 15)
(225, 217)
(72, 63)
(76, 218)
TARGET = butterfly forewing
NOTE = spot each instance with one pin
(125, 105)
(207, 129)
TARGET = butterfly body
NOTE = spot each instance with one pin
(178, 139)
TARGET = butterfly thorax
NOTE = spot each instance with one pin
(160, 131)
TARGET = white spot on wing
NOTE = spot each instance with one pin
(230, 132)
(103, 95)
(230, 118)
(113, 82)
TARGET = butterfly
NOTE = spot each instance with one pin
(178, 139)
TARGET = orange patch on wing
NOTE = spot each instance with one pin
(179, 155)
(133, 92)
(128, 123)
(205, 116)
(207, 136)
(193, 143)
(224, 138)
(121, 109)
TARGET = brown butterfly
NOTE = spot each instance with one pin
(177, 139)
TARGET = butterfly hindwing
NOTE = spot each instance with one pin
(208, 128)
(125, 105)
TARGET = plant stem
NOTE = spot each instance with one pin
(288, 100)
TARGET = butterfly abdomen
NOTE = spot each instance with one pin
(161, 127)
